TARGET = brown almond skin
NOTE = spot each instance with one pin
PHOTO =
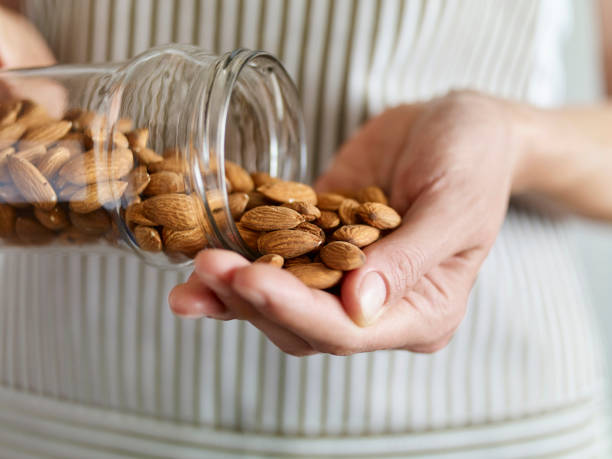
(53, 161)
(10, 134)
(32, 114)
(176, 211)
(8, 215)
(94, 196)
(137, 180)
(138, 138)
(348, 212)
(288, 243)
(237, 204)
(32, 185)
(177, 165)
(31, 152)
(315, 275)
(95, 166)
(30, 231)
(271, 259)
(134, 215)
(5, 176)
(270, 218)
(342, 255)
(262, 178)
(256, 199)
(313, 229)
(359, 235)
(249, 236)
(371, 194)
(187, 242)
(379, 215)
(165, 182)
(9, 111)
(147, 156)
(66, 193)
(124, 125)
(46, 134)
(328, 220)
(238, 177)
(148, 239)
(297, 260)
(329, 201)
(309, 211)
(285, 191)
(94, 223)
(55, 219)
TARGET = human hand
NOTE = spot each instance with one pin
(449, 167)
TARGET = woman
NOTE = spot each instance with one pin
(511, 369)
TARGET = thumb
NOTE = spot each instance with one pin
(398, 261)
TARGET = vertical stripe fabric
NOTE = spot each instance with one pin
(92, 362)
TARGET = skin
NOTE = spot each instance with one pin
(449, 166)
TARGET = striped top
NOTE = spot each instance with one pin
(93, 364)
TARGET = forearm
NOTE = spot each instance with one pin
(567, 156)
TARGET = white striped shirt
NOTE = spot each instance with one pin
(93, 364)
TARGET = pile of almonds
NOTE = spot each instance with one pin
(61, 179)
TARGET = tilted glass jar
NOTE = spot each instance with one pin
(137, 154)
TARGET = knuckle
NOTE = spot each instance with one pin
(406, 266)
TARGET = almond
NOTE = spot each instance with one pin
(32, 114)
(359, 235)
(95, 166)
(32, 185)
(256, 199)
(379, 215)
(148, 239)
(8, 215)
(313, 229)
(328, 220)
(174, 152)
(165, 182)
(53, 161)
(89, 119)
(66, 193)
(4, 173)
(284, 191)
(99, 134)
(297, 260)
(9, 112)
(309, 211)
(271, 259)
(73, 114)
(147, 156)
(249, 236)
(371, 194)
(177, 165)
(55, 219)
(138, 138)
(94, 223)
(94, 196)
(348, 212)
(134, 215)
(237, 204)
(10, 195)
(269, 218)
(46, 134)
(262, 178)
(137, 180)
(288, 243)
(30, 231)
(315, 275)
(73, 235)
(342, 255)
(188, 242)
(76, 142)
(329, 201)
(10, 134)
(31, 152)
(176, 211)
(238, 177)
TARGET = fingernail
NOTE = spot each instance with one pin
(372, 296)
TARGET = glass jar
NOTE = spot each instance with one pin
(138, 154)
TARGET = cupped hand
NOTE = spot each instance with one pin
(449, 167)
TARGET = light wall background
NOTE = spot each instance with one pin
(593, 240)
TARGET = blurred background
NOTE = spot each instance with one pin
(593, 240)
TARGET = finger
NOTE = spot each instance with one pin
(396, 263)
(216, 269)
(194, 300)
(315, 316)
